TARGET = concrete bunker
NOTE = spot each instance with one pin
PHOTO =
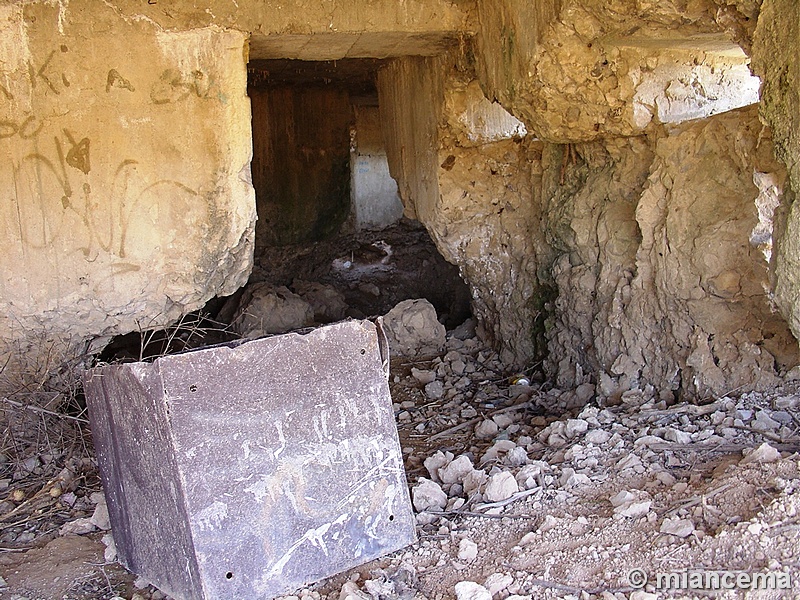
(611, 180)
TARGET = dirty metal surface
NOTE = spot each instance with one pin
(248, 471)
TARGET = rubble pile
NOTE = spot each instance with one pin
(522, 490)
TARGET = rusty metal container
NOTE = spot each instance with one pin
(248, 470)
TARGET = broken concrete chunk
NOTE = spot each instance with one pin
(327, 302)
(413, 329)
(678, 527)
(486, 429)
(501, 486)
(467, 550)
(469, 590)
(423, 376)
(763, 454)
(457, 470)
(428, 495)
(434, 390)
(266, 310)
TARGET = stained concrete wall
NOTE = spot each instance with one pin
(637, 261)
(576, 71)
(776, 48)
(301, 162)
(124, 172)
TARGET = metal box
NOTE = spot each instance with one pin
(248, 470)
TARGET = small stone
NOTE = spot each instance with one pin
(634, 510)
(77, 527)
(678, 527)
(434, 390)
(474, 480)
(570, 478)
(763, 454)
(469, 590)
(642, 595)
(576, 427)
(428, 495)
(744, 414)
(793, 374)
(435, 462)
(100, 518)
(467, 550)
(622, 497)
(110, 553)
(584, 392)
(503, 420)
(350, 591)
(677, 436)
(501, 486)
(665, 478)
(486, 429)
(517, 457)
(497, 582)
(423, 376)
(597, 437)
(764, 422)
(456, 471)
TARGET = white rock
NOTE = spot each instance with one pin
(100, 518)
(423, 376)
(517, 457)
(677, 526)
(467, 550)
(622, 497)
(642, 595)
(428, 495)
(457, 470)
(576, 427)
(434, 390)
(110, 553)
(412, 329)
(597, 437)
(763, 454)
(501, 486)
(765, 422)
(469, 590)
(474, 480)
(77, 527)
(634, 509)
(677, 436)
(486, 429)
(569, 478)
(435, 462)
(497, 582)
(498, 448)
(350, 591)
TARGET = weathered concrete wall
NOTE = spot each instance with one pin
(644, 253)
(658, 281)
(124, 172)
(576, 71)
(464, 174)
(775, 59)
